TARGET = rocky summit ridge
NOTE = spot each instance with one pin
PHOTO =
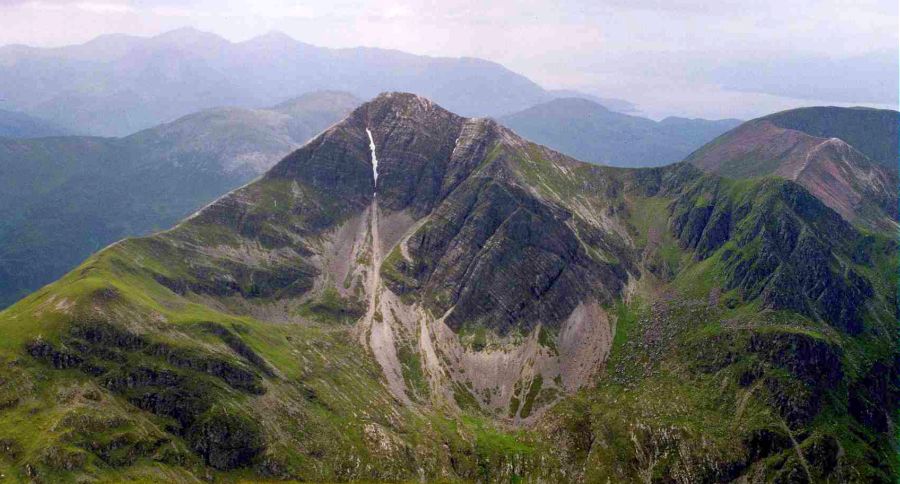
(488, 310)
(805, 145)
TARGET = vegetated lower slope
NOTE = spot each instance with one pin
(63, 198)
(489, 310)
(20, 125)
(791, 145)
(588, 131)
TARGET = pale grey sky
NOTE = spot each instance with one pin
(725, 58)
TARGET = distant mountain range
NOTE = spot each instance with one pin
(20, 125)
(115, 85)
(846, 157)
(618, 105)
(62, 198)
(589, 131)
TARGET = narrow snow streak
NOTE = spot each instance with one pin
(374, 160)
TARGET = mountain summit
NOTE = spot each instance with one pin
(489, 310)
(807, 145)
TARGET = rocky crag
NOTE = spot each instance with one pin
(414, 295)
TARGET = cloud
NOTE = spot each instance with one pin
(105, 7)
(867, 78)
(61, 5)
(166, 11)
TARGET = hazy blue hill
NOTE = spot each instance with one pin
(62, 198)
(618, 105)
(588, 131)
(20, 125)
(696, 131)
(116, 85)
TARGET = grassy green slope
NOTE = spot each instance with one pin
(707, 381)
(293, 400)
(132, 366)
(63, 198)
(143, 364)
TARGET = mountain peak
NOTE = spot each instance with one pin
(486, 283)
(187, 31)
(318, 100)
(273, 39)
(390, 110)
(274, 36)
(805, 149)
(404, 102)
(189, 37)
(414, 139)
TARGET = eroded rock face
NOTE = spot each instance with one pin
(474, 229)
(786, 248)
(226, 441)
(498, 254)
(876, 392)
(484, 274)
(415, 142)
(505, 260)
(454, 228)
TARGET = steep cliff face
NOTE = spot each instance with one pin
(414, 294)
(452, 245)
(779, 244)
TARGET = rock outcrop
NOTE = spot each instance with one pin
(488, 310)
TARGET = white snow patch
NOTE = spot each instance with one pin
(374, 160)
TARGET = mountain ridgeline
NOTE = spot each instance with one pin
(19, 125)
(845, 157)
(874, 132)
(116, 85)
(490, 310)
(590, 132)
(63, 198)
